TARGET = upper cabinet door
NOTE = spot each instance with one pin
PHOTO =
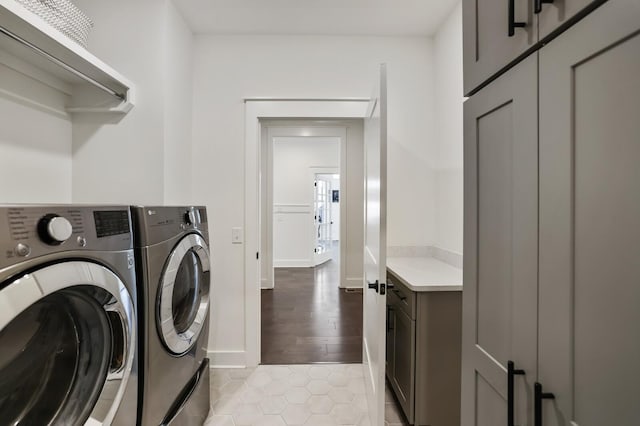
(494, 37)
(589, 338)
(554, 13)
(500, 247)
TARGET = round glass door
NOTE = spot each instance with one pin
(183, 301)
(61, 344)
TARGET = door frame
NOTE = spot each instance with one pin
(271, 130)
(257, 109)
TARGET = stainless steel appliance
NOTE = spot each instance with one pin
(173, 283)
(68, 327)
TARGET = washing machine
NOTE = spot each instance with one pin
(68, 327)
(173, 264)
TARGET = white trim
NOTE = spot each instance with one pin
(254, 111)
(265, 284)
(292, 263)
(227, 359)
(357, 282)
(291, 208)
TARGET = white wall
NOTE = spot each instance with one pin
(178, 109)
(293, 160)
(231, 68)
(449, 133)
(145, 157)
(35, 141)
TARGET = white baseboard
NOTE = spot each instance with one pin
(292, 263)
(227, 359)
(265, 284)
(353, 283)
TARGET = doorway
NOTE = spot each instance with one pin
(309, 174)
(326, 217)
(373, 113)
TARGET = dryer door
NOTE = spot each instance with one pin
(68, 337)
(183, 299)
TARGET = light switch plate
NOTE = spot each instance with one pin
(237, 236)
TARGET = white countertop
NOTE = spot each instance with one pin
(425, 273)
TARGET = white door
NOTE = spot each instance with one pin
(375, 249)
(322, 221)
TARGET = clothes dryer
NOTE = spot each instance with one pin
(68, 327)
(173, 265)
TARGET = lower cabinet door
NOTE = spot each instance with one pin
(404, 353)
(390, 341)
(589, 339)
(500, 247)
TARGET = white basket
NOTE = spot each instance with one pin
(63, 16)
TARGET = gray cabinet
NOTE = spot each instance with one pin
(589, 334)
(401, 345)
(553, 15)
(488, 47)
(390, 338)
(402, 371)
(552, 230)
(498, 33)
(500, 231)
(424, 353)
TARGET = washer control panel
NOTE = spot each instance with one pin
(54, 229)
(32, 231)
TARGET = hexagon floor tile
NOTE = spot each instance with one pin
(287, 395)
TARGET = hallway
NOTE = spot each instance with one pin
(307, 318)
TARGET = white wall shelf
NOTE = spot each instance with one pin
(31, 46)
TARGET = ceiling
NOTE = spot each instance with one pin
(320, 17)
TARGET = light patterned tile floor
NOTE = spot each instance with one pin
(283, 395)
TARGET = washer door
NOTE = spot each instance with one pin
(183, 299)
(67, 333)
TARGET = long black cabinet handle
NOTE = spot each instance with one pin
(511, 372)
(537, 5)
(538, 396)
(401, 296)
(512, 19)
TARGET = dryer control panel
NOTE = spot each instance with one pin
(32, 231)
(155, 224)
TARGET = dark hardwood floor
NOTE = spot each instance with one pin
(307, 318)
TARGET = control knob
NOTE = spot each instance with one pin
(54, 230)
(190, 217)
